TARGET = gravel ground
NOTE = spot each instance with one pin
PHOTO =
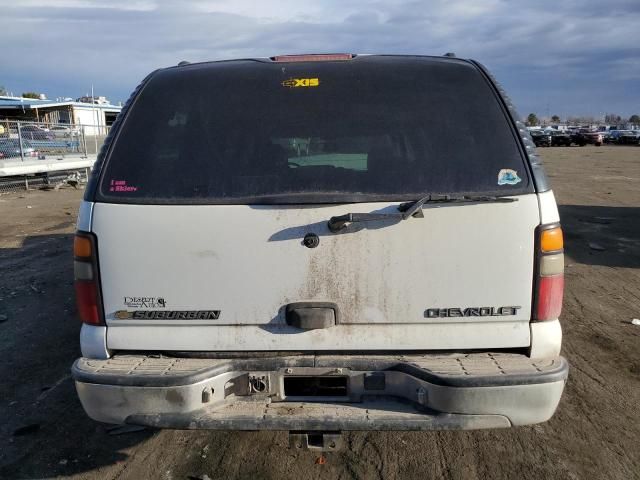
(595, 433)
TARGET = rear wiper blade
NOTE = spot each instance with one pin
(411, 209)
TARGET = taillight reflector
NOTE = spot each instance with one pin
(320, 57)
(549, 297)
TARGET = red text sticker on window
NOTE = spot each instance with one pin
(121, 186)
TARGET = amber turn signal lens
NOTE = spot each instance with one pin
(551, 240)
(81, 247)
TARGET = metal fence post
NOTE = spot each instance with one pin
(20, 142)
(84, 141)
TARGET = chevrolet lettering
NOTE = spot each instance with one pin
(471, 312)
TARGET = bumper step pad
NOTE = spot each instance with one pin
(382, 392)
(473, 369)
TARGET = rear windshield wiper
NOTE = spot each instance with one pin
(338, 223)
(410, 209)
(404, 207)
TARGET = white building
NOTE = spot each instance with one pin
(96, 118)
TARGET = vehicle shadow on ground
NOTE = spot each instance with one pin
(44, 431)
(599, 235)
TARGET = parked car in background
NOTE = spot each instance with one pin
(559, 139)
(583, 137)
(64, 131)
(541, 138)
(578, 138)
(594, 138)
(605, 136)
(34, 132)
(613, 136)
(629, 137)
(10, 148)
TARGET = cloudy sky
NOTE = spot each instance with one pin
(566, 57)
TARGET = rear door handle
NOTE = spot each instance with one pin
(312, 315)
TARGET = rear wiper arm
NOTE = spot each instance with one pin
(341, 221)
(411, 209)
(338, 223)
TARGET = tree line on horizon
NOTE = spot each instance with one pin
(609, 118)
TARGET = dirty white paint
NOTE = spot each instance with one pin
(452, 336)
(84, 216)
(548, 208)
(249, 262)
(546, 339)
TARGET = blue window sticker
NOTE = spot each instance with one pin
(506, 176)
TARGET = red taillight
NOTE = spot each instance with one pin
(549, 281)
(85, 269)
(549, 301)
(87, 301)
(318, 57)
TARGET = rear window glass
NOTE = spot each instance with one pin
(369, 129)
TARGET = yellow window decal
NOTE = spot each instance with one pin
(301, 82)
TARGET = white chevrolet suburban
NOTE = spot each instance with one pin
(320, 243)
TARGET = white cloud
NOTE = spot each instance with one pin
(136, 5)
(114, 44)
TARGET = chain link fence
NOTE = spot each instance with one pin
(29, 141)
(36, 155)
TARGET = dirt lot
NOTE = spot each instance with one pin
(595, 433)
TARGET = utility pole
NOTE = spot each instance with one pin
(547, 112)
(95, 111)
